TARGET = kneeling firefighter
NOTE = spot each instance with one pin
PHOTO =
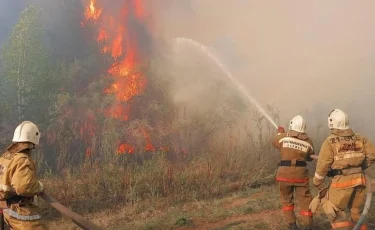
(18, 180)
(295, 148)
(343, 156)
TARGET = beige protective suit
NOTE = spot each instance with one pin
(295, 149)
(18, 186)
(347, 154)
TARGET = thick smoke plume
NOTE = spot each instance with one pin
(305, 58)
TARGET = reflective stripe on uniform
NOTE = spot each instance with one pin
(348, 156)
(17, 216)
(6, 188)
(342, 224)
(292, 180)
(306, 213)
(354, 182)
(294, 143)
(319, 177)
(288, 208)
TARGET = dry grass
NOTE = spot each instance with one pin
(95, 187)
(205, 193)
(250, 208)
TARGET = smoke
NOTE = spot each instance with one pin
(304, 57)
(307, 58)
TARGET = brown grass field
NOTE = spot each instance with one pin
(207, 192)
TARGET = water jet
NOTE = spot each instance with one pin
(228, 74)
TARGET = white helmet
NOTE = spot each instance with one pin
(337, 119)
(297, 124)
(27, 132)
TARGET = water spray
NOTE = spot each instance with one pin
(215, 59)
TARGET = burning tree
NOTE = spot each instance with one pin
(120, 110)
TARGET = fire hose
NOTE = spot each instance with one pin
(367, 204)
(367, 207)
(77, 219)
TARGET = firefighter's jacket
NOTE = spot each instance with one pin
(346, 151)
(293, 147)
(19, 183)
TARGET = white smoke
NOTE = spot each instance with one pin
(305, 57)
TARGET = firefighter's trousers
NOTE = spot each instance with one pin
(16, 224)
(303, 196)
(351, 198)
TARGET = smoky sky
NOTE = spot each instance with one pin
(306, 57)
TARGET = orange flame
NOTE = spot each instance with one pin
(149, 146)
(92, 12)
(103, 36)
(117, 43)
(119, 111)
(139, 9)
(125, 148)
(121, 43)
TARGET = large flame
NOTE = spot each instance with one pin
(121, 43)
(128, 81)
(92, 12)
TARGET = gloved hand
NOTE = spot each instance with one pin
(319, 183)
(313, 206)
(317, 199)
(280, 129)
(332, 210)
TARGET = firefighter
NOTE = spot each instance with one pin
(343, 156)
(295, 148)
(18, 180)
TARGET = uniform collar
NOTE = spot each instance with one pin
(24, 147)
(301, 136)
(343, 132)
